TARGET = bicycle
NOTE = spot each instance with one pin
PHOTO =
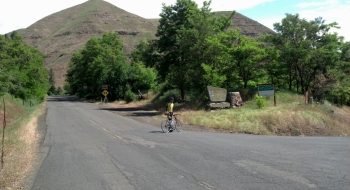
(166, 125)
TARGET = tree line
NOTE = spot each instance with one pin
(103, 62)
(21, 69)
(194, 48)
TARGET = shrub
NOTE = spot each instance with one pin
(260, 101)
(130, 96)
(59, 91)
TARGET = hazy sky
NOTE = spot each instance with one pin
(16, 14)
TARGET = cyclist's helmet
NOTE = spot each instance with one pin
(171, 98)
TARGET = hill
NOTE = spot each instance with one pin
(61, 34)
(247, 26)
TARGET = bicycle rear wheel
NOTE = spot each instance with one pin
(165, 126)
(178, 125)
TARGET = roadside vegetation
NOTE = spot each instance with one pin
(290, 117)
(195, 49)
(21, 69)
(21, 139)
(23, 87)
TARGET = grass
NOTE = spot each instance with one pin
(20, 140)
(290, 117)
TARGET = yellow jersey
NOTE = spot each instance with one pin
(170, 107)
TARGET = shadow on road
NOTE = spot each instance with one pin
(62, 99)
(133, 111)
(156, 132)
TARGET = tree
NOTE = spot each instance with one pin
(182, 31)
(340, 93)
(4, 81)
(101, 62)
(219, 63)
(52, 89)
(24, 66)
(306, 48)
(141, 77)
(249, 55)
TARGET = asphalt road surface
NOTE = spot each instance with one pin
(87, 148)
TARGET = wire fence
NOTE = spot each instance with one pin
(25, 103)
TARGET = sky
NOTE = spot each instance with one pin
(17, 14)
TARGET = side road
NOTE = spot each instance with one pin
(150, 117)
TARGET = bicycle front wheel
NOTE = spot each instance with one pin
(165, 126)
(178, 125)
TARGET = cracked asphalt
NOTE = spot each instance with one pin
(86, 147)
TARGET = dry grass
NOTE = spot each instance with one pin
(20, 146)
(291, 117)
(288, 118)
(144, 104)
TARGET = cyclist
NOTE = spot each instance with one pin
(169, 111)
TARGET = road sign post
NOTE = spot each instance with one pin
(267, 90)
(85, 89)
(105, 93)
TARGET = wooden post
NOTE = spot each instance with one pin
(274, 95)
(3, 136)
(307, 97)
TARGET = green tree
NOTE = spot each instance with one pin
(141, 77)
(250, 56)
(101, 62)
(306, 48)
(24, 64)
(4, 81)
(181, 33)
(219, 64)
(59, 91)
(340, 93)
(52, 89)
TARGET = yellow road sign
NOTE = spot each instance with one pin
(105, 92)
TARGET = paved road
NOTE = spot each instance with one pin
(89, 148)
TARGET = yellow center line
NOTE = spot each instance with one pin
(114, 135)
(106, 130)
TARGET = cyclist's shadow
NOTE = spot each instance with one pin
(156, 132)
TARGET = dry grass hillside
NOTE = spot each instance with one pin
(61, 34)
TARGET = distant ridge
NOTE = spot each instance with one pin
(61, 34)
(247, 26)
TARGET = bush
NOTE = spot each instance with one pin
(52, 90)
(260, 101)
(130, 96)
(59, 91)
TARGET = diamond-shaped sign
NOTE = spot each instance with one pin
(105, 92)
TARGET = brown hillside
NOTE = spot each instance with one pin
(63, 33)
(246, 25)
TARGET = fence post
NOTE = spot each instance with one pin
(3, 136)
